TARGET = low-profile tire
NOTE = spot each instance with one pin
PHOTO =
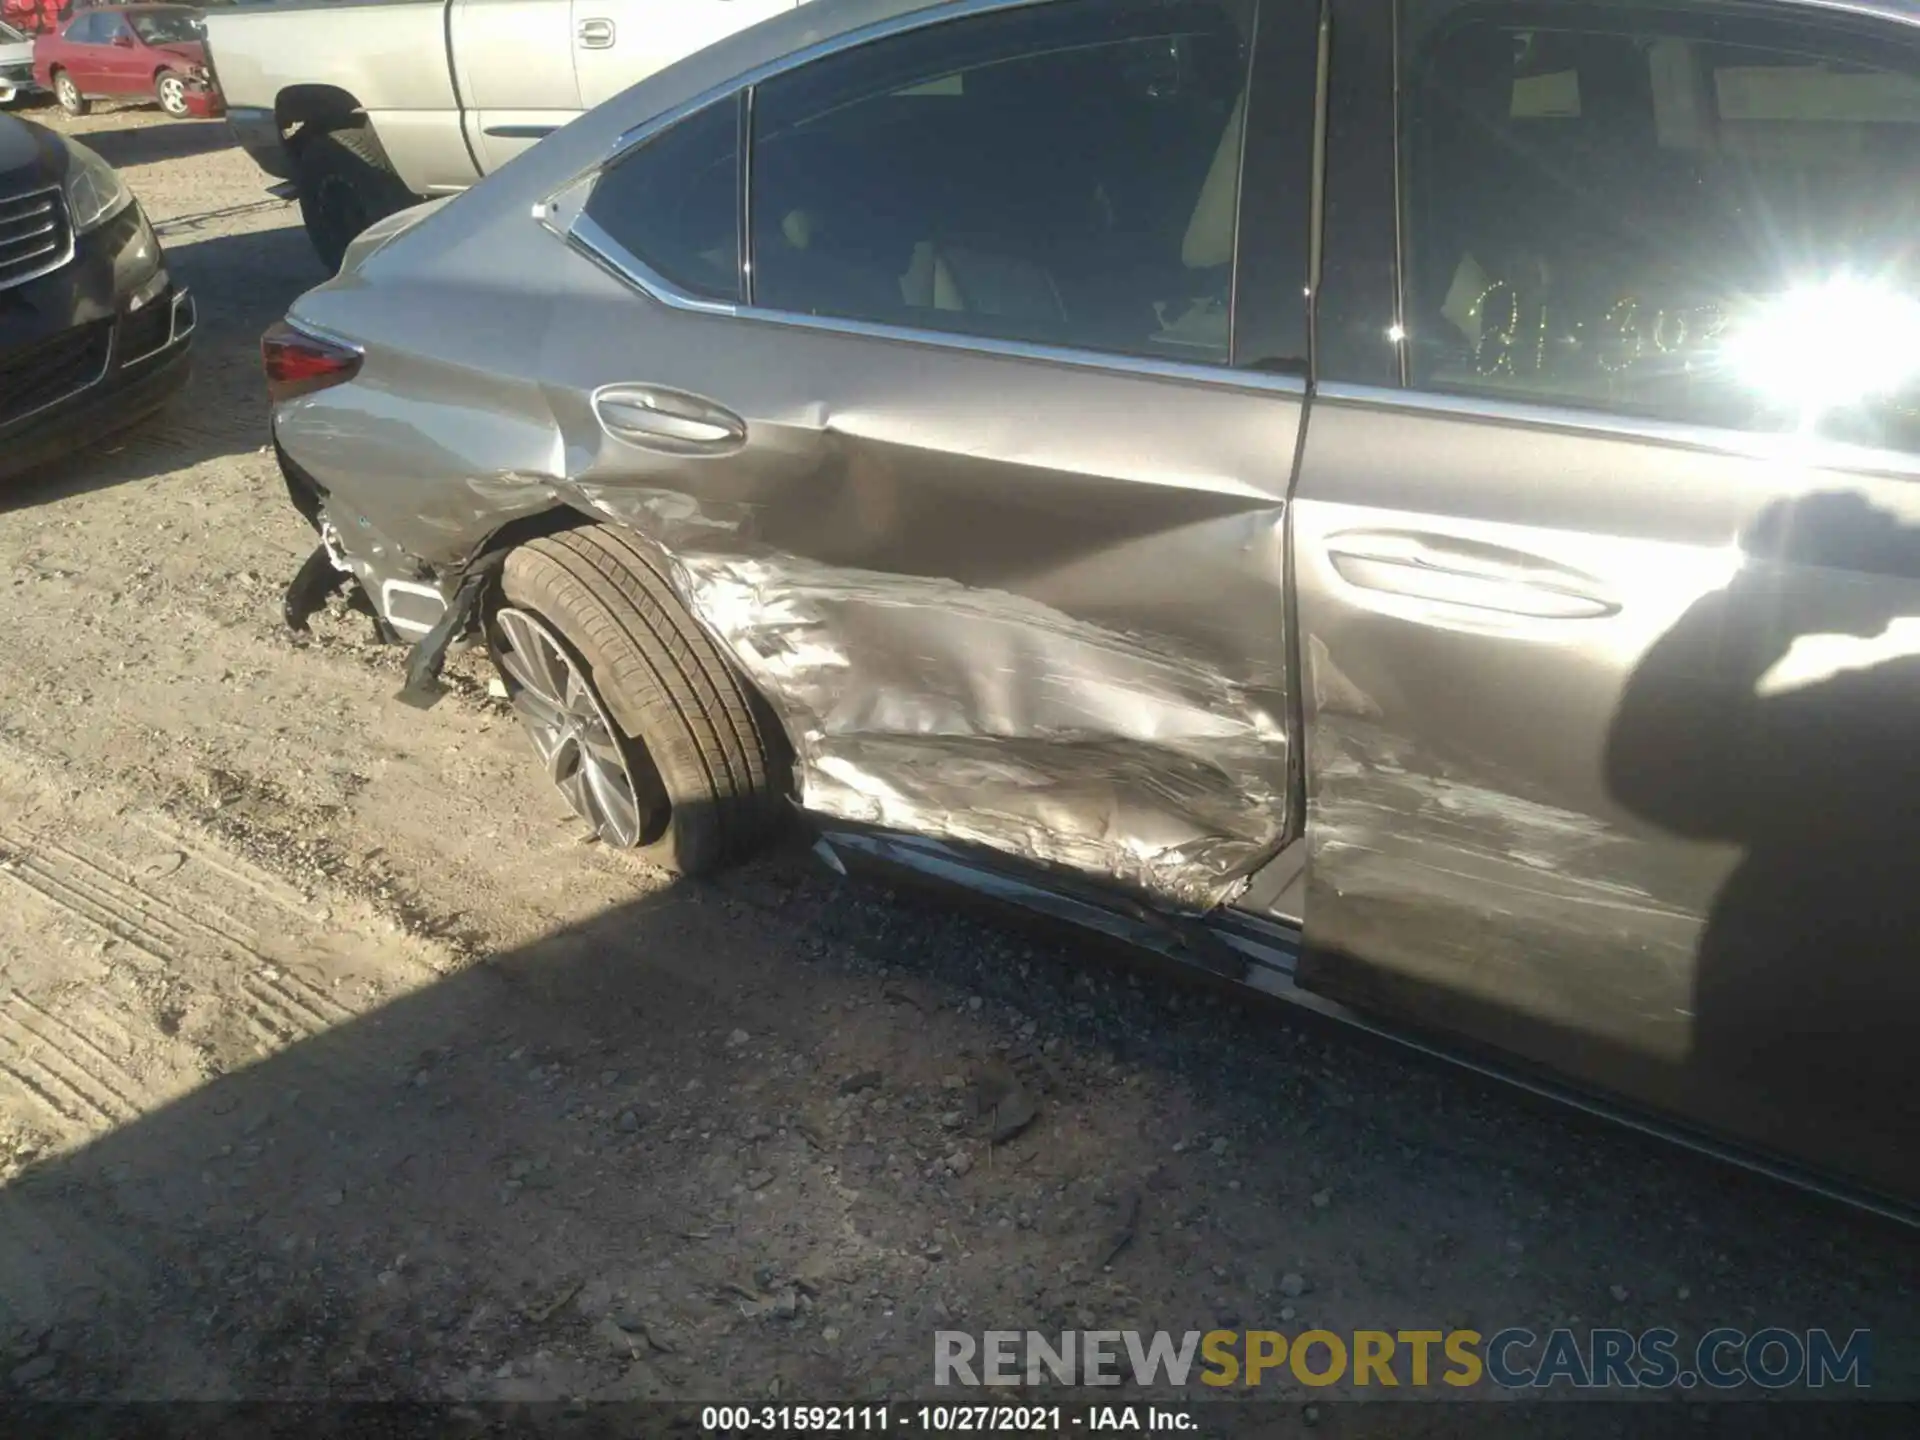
(170, 89)
(346, 183)
(68, 94)
(708, 763)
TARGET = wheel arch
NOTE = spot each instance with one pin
(563, 517)
(524, 529)
(306, 110)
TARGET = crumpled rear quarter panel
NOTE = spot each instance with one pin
(1033, 606)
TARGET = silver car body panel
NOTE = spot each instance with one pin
(16, 68)
(1060, 630)
(1481, 753)
(1605, 729)
(1073, 698)
(1077, 697)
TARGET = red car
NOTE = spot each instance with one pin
(31, 17)
(114, 50)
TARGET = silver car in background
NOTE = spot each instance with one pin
(16, 65)
(1411, 508)
(369, 106)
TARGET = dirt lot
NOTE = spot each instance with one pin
(333, 1062)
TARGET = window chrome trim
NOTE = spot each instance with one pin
(563, 214)
(1260, 14)
(1143, 366)
(743, 163)
(1317, 185)
(1861, 9)
(1770, 447)
(1394, 128)
(587, 237)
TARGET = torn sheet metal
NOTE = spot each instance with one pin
(1032, 606)
(926, 706)
(1116, 705)
(1224, 944)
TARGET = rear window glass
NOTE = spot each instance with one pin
(1062, 174)
(674, 203)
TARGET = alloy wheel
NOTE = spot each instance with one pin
(585, 757)
(173, 95)
(67, 92)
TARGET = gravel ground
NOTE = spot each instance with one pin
(334, 1062)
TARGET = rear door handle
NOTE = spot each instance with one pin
(596, 34)
(673, 421)
(1456, 572)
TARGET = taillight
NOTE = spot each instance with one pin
(298, 363)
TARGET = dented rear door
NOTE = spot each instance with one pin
(974, 490)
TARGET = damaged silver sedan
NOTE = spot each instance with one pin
(1411, 506)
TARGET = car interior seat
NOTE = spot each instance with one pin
(1202, 322)
(1466, 102)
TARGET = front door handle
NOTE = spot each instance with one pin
(596, 34)
(656, 418)
(1457, 572)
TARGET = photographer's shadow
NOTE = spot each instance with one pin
(1782, 714)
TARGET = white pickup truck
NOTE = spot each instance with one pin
(370, 105)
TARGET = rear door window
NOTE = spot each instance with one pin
(1065, 174)
(674, 203)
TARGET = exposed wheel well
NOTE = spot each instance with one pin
(529, 528)
(559, 520)
(304, 110)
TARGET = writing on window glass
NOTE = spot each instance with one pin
(1517, 335)
(1811, 350)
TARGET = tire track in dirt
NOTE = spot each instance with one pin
(52, 1059)
(137, 959)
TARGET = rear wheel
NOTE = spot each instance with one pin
(170, 89)
(68, 94)
(637, 716)
(346, 183)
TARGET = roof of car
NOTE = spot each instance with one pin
(836, 17)
(822, 21)
(825, 12)
(819, 22)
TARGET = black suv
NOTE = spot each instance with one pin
(94, 334)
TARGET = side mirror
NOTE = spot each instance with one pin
(123, 40)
